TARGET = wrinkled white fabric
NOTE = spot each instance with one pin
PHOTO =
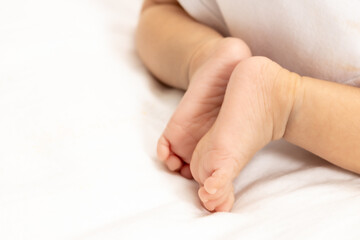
(79, 120)
(316, 38)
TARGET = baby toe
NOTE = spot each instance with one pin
(205, 196)
(185, 171)
(218, 202)
(217, 180)
(163, 149)
(174, 163)
(227, 204)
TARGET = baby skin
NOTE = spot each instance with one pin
(258, 103)
(236, 104)
(212, 65)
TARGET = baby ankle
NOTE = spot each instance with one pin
(288, 92)
(234, 49)
(200, 55)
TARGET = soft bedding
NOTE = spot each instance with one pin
(79, 120)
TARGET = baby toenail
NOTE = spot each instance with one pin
(212, 190)
(211, 208)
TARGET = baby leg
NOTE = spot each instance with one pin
(265, 102)
(186, 54)
(200, 105)
(256, 107)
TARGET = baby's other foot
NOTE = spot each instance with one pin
(257, 104)
(198, 109)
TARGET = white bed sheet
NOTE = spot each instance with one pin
(79, 120)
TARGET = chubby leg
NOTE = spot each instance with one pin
(265, 102)
(326, 121)
(167, 38)
(186, 54)
(200, 105)
(257, 104)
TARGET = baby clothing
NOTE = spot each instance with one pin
(316, 38)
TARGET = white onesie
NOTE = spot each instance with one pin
(316, 38)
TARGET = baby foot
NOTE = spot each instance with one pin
(257, 105)
(200, 105)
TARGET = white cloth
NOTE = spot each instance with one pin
(316, 38)
(79, 120)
